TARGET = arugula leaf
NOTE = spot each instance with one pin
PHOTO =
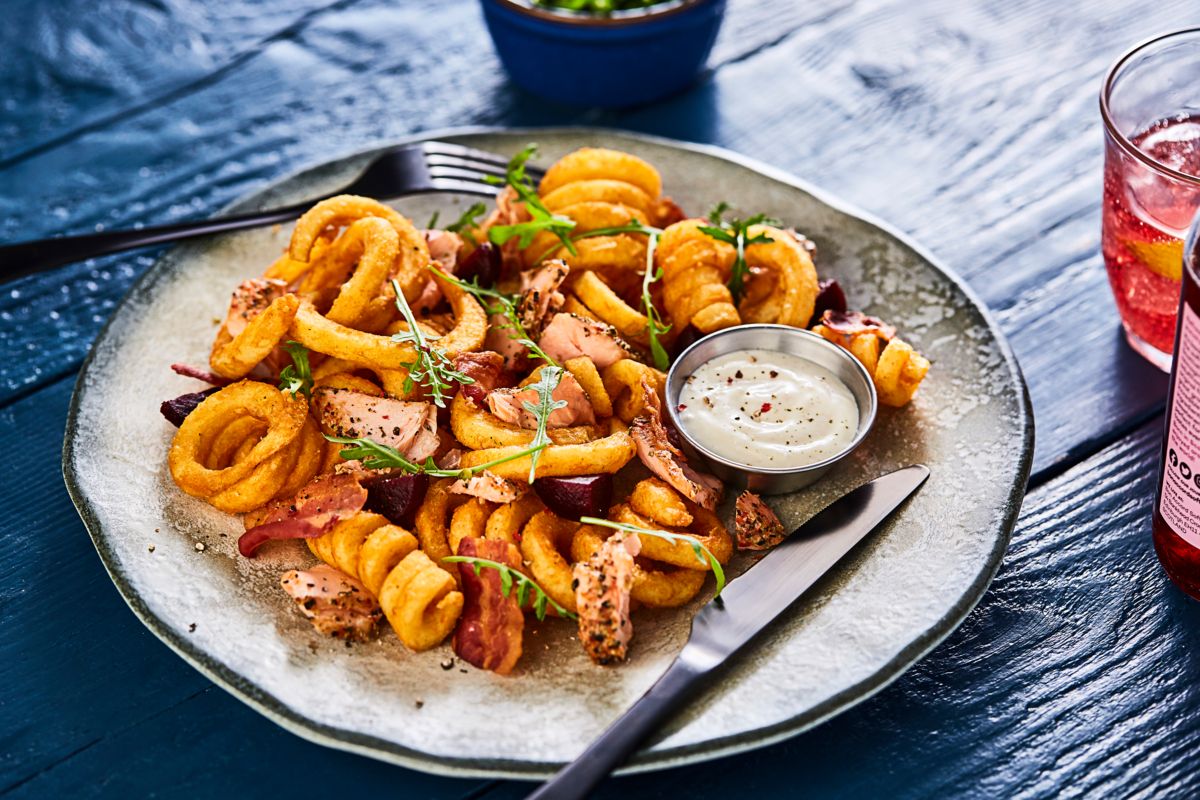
(432, 221)
(547, 382)
(541, 218)
(736, 233)
(466, 221)
(703, 554)
(432, 368)
(375, 455)
(296, 378)
(655, 327)
(509, 577)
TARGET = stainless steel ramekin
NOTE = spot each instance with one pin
(785, 339)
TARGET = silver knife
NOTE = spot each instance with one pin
(727, 624)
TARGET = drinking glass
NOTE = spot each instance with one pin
(1150, 104)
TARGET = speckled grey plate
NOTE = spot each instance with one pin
(870, 619)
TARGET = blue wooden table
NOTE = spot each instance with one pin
(971, 125)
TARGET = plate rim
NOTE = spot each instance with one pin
(381, 749)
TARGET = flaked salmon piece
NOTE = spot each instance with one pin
(540, 295)
(250, 299)
(755, 525)
(408, 426)
(491, 487)
(336, 604)
(667, 461)
(501, 339)
(570, 336)
(492, 626)
(509, 210)
(602, 586)
(444, 247)
(509, 405)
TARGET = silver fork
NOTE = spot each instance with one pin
(420, 168)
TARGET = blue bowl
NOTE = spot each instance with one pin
(626, 59)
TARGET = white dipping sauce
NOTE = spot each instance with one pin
(764, 408)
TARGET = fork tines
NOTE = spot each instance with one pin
(455, 161)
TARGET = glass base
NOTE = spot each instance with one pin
(1148, 351)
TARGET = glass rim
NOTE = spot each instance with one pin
(1120, 138)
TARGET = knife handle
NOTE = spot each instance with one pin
(615, 745)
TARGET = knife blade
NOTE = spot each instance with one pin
(747, 605)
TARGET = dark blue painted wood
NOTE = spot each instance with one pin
(978, 121)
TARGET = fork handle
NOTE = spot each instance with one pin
(615, 745)
(28, 258)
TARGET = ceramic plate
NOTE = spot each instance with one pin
(878, 612)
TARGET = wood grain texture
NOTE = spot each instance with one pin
(972, 127)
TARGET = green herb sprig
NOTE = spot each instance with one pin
(703, 554)
(735, 232)
(466, 221)
(296, 377)
(375, 455)
(547, 382)
(497, 302)
(510, 576)
(541, 218)
(432, 368)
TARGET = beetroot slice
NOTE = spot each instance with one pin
(482, 266)
(578, 496)
(176, 410)
(830, 297)
(396, 497)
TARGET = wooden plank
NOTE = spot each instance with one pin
(92, 703)
(1073, 678)
(971, 118)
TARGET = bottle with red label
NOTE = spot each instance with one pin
(1177, 503)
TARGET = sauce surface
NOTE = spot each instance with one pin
(764, 408)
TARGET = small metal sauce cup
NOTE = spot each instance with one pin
(779, 338)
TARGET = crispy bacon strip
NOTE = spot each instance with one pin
(491, 628)
(313, 511)
(667, 461)
(602, 587)
(336, 604)
(486, 368)
(755, 525)
(850, 323)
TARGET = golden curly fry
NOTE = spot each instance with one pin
(469, 520)
(344, 210)
(790, 267)
(479, 429)
(225, 447)
(321, 334)
(600, 190)
(310, 454)
(544, 540)
(432, 522)
(706, 528)
(234, 357)
(364, 546)
(365, 253)
(584, 370)
(899, 373)
(590, 163)
(654, 499)
(623, 381)
(696, 269)
(588, 216)
(421, 601)
(252, 480)
(608, 454)
(607, 306)
(506, 522)
(654, 585)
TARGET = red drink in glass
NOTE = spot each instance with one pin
(1151, 184)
